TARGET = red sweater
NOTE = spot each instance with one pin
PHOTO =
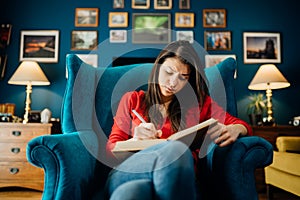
(125, 121)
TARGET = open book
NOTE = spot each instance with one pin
(192, 136)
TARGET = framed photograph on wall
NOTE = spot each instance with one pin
(214, 18)
(118, 4)
(217, 40)
(260, 47)
(5, 33)
(3, 59)
(84, 40)
(86, 17)
(184, 4)
(213, 59)
(184, 20)
(118, 19)
(185, 35)
(151, 28)
(118, 36)
(39, 45)
(163, 4)
(140, 4)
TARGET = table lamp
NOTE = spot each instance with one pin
(28, 73)
(268, 78)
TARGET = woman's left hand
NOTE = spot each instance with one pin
(224, 135)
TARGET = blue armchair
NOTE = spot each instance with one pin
(74, 162)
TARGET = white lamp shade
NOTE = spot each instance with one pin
(268, 77)
(29, 72)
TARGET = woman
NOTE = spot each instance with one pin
(177, 98)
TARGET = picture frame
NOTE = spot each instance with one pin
(84, 40)
(140, 4)
(39, 45)
(184, 4)
(144, 32)
(214, 18)
(184, 20)
(118, 4)
(213, 59)
(118, 36)
(118, 19)
(185, 35)
(217, 40)
(5, 33)
(261, 47)
(86, 17)
(3, 60)
(162, 4)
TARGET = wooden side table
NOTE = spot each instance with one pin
(270, 133)
(15, 170)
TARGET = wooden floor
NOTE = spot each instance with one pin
(24, 194)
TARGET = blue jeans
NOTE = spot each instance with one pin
(164, 171)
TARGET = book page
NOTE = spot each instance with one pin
(191, 136)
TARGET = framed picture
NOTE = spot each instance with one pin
(151, 28)
(140, 4)
(211, 60)
(86, 17)
(3, 59)
(184, 4)
(118, 4)
(5, 32)
(118, 19)
(184, 20)
(185, 35)
(214, 18)
(118, 36)
(162, 4)
(261, 47)
(41, 46)
(217, 40)
(84, 40)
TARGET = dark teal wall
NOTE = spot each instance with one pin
(256, 15)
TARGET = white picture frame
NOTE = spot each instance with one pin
(118, 36)
(39, 45)
(185, 35)
(261, 47)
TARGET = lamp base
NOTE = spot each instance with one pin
(268, 121)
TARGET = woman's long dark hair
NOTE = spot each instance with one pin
(185, 52)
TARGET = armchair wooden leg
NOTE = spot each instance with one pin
(269, 192)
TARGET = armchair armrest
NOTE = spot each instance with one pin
(288, 143)
(233, 167)
(71, 171)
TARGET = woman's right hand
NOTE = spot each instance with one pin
(145, 131)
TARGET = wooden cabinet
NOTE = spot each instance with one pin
(270, 133)
(15, 170)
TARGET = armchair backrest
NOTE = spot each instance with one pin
(92, 94)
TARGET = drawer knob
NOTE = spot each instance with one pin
(15, 150)
(16, 133)
(14, 170)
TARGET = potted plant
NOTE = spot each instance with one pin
(256, 108)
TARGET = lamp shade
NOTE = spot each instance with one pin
(29, 72)
(268, 77)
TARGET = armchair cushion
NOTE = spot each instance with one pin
(284, 172)
(288, 144)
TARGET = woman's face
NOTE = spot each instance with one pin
(173, 76)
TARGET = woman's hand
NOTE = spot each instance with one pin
(146, 131)
(224, 135)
